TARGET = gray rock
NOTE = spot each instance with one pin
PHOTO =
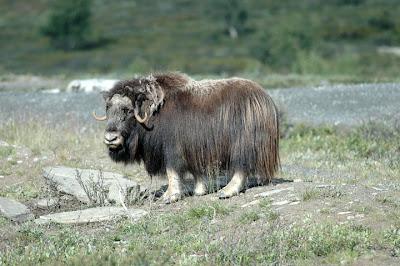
(99, 214)
(14, 210)
(324, 186)
(94, 186)
(280, 203)
(47, 203)
(4, 144)
(91, 85)
(272, 192)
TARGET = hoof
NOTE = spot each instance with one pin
(168, 199)
(200, 191)
(226, 195)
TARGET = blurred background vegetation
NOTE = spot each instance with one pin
(357, 38)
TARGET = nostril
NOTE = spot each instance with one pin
(110, 136)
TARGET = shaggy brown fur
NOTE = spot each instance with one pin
(197, 126)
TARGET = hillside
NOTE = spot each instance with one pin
(305, 37)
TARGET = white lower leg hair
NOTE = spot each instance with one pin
(234, 187)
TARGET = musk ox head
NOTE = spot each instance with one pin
(130, 105)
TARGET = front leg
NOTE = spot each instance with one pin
(174, 191)
(234, 187)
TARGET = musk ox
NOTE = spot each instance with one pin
(177, 126)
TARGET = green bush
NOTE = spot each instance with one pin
(279, 46)
(233, 13)
(68, 24)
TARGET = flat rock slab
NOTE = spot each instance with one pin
(92, 215)
(272, 192)
(94, 186)
(47, 203)
(14, 210)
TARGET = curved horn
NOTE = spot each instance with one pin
(138, 118)
(99, 118)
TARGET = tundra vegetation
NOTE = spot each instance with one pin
(334, 41)
(348, 210)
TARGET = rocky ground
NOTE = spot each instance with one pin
(333, 105)
(335, 201)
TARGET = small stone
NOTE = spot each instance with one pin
(251, 203)
(52, 91)
(4, 144)
(272, 192)
(297, 180)
(343, 213)
(323, 186)
(35, 160)
(294, 203)
(46, 203)
(14, 210)
(280, 203)
(99, 214)
(19, 162)
(1, 176)
(379, 189)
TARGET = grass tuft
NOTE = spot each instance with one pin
(392, 236)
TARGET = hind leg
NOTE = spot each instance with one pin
(234, 187)
(200, 187)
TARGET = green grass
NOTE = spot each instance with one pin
(205, 232)
(388, 201)
(249, 217)
(321, 193)
(174, 239)
(309, 194)
(208, 211)
(392, 236)
(22, 191)
(264, 212)
(4, 221)
(370, 141)
(6, 151)
(316, 240)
